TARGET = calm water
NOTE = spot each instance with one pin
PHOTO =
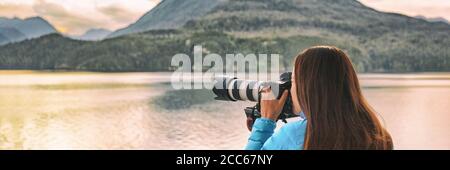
(42, 110)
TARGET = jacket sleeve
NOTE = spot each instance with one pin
(262, 130)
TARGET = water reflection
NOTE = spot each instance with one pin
(138, 111)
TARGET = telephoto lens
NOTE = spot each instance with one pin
(233, 89)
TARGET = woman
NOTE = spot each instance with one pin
(326, 93)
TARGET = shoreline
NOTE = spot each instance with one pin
(165, 71)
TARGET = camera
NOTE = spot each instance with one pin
(234, 89)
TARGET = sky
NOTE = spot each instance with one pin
(74, 17)
(427, 8)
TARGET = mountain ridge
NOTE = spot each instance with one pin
(12, 35)
(376, 41)
(32, 27)
(94, 34)
(433, 19)
(160, 17)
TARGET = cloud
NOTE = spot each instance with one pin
(428, 8)
(119, 13)
(63, 20)
(12, 10)
(76, 17)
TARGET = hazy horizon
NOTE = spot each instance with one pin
(66, 17)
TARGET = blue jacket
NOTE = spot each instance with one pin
(289, 137)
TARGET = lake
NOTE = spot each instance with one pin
(81, 110)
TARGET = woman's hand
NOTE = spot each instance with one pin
(271, 107)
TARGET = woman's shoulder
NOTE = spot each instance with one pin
(295, 128)
(290, 136)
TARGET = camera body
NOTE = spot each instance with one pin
(233, 89)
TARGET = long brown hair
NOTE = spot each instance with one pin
(338, 115)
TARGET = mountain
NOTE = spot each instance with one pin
(169, 14)
(436, 19)
(12, 35)
(375, 41)
(3, 39)
(31, 27)
(94, 35)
